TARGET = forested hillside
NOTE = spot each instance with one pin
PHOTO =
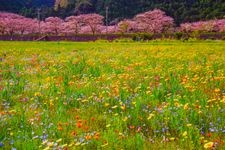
(180, 10)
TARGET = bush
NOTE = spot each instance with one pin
(142, 37)
(223, 38)
(135, 37)
(196, 34)
(125, 40)
(179, 35)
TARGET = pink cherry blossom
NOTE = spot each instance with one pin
(53, 25)
(154, 21)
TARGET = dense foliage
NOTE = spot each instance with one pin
(180, 10)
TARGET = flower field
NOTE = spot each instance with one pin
(124, 95)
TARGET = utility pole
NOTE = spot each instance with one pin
(106, 18)
(39, 20)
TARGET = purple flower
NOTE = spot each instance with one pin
(1, 144)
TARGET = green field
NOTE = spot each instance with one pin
(119, 95)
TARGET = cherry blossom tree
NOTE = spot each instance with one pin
(92, 21)
(11, 27)
(73, 24)
(112, 29)
(108, 29)
(24, 25)
(9, 22)
(33, 26)
(86, 30)
(2, 27)
(154, 21)
(4, 15)
(127, 26)
(53, 25)
(216, 25)
(220, 25)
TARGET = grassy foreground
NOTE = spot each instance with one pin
(156, 95)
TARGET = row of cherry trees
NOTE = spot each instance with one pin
(155, 21)
(217, 25)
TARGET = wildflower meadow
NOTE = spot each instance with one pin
(112, 95)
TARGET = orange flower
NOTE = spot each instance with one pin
(2, 113)
(77, 117)
(92, 119)
(96, 136)
(60, 128)
(209, 134)
(79, 125)
(86, 128)
(88, 137)
(73, 133)
(132, 127)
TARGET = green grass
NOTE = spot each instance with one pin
(119, 95)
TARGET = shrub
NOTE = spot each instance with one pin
(142, 37)
(223, 38)
(179, 35)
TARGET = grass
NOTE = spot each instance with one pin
(124, 95)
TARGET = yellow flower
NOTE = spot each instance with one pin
(47, 148)
(114, 107)
(134, 103)
(107, 104)
(125, 119)
(48, 79)
(186, 106)
(108, 125)
(59, 140)
(45, 142)
(189, 125)
(217, 90)
(116, 114)
(65, 145)
(71, 144)
(150, 116)
(37, 94)
(77, 144)
(199, 112)
(11, 133)
(208, 145)
(123, 107)
(50, 144)
(51, 103)
(184, 134)
(12, 111)
(84, 101)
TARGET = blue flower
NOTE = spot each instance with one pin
(1, 144)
